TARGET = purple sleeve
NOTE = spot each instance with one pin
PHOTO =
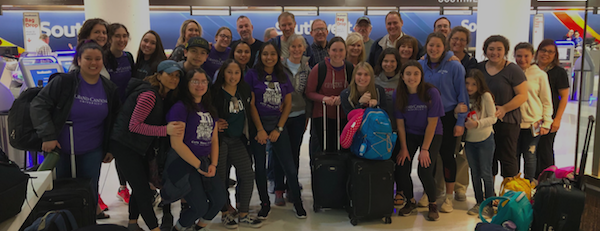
(177, 113)
(397, 112)
(436, 109)
(249, 78)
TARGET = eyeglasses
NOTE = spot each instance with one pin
(198, 82)
(225, 36)
(458, 40)
(269, 78)
(550, 52)
(319, 30)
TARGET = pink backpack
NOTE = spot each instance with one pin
(559, 173)
(354, 121)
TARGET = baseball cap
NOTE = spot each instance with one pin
(363, 18)
(197, 42)
(169, 66)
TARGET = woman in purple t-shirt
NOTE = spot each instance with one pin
(197, 156)
(119, 63)
(418, 108)
(270, 107)
(219, 51)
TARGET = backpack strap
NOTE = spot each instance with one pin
(349, 69)
(132, 63)
(322, 74)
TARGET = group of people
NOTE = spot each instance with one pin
(179, 123)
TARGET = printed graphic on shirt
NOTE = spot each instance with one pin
(389, 92)
(416, 108)
(232, 106)
(204, 129)
(300, 82)
(272, 96)
(90, 100)
(336, 85)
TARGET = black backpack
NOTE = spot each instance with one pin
(22, 134)
(14, 188)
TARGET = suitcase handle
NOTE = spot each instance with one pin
(325, 125)
(584, 152)
(73, 165)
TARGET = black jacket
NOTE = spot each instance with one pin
(121, 134)
(376, 51)
(50, 109)
(222, 105)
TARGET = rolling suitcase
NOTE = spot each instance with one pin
(558, 203)
(73, 194)
(370, 189)
(329, 174)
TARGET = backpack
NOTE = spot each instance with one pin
(375, 139)
(354, 121)
(22, 134)
(57, 220)
(516, 184)
(514, 207)
(14, 188)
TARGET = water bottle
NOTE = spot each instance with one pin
(50, 161)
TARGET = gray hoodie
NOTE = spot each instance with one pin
(299, 82)
(390, 86)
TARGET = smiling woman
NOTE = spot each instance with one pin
(119, 63)
(150, 54)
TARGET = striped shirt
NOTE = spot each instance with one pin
(143, 107)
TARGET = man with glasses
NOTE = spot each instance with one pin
(318, 30)
(287, 25)
(363, 27)
(245, 28)
(393, 25)
(442, 25)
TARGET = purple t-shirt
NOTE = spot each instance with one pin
(417, 112)
(90, 109)
(121, 75)
(198, 127)
(215, 60)
(268, 100)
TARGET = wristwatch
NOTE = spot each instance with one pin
(279, 129)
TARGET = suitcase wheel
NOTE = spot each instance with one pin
(354, 221)
(387, 220)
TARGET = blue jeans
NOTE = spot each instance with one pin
(281, 149)
(295, 126)
(87, 166)
(203, 204)
(480, 156)
(526, 147)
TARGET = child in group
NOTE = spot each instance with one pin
(480, 145)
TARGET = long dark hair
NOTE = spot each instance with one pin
(187, 98)
(232, 52)
(482, 88)
(277, 70)
(388, 51)
(86, 30)
(111, 60)
(548, 42)
(156, 57)
(402, 89)
(221, 75)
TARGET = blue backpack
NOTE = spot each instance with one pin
(375, 139)
(513, 206)
(57, 220)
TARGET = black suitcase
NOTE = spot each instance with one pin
(558, 203)
(73, 194)
(370, 189)
(329, 174)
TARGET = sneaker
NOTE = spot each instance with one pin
(409, 208)
(424, 201)
(299, 210)
(250, 222)
(279, 201)
(488, 212)
(157, 198)
(433, 214)
(123, 195)
(101, 204)
(229, 222)
(458, 196)
(447, 206)
(475, 210)
(264, 211)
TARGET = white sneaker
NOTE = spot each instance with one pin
(424, 201)
(447, 206)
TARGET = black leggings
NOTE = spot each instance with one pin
(448, 146)
(135, 169)
(122, 180)
(425, 174)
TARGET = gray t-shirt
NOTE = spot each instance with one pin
(501, 85)
(285, 52)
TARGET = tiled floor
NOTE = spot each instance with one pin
(282, 218)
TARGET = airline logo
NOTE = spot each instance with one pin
(59, 31)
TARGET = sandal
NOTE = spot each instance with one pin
(399, 199)
(102, 215)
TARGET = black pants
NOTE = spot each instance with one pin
(448, 146)
(545, 153)
(506, 137)
(425, 174)
(135, 169)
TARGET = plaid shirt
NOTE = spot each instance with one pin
(319, 53)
